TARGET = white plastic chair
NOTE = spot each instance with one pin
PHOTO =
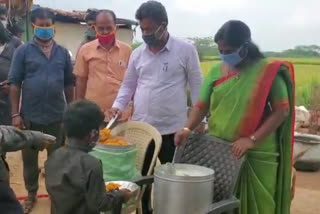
(141, 134)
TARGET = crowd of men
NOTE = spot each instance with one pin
(37, 83)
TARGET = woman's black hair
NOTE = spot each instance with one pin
(153, 10)
(237, 33)
(91, 16)
(81, 118)
(42, 13)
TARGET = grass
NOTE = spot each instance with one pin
(295, 60)
(207, 65)
(300, 61)
(307, 73)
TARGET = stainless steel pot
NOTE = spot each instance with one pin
(182, 189)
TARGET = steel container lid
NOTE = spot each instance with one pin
(184, 173)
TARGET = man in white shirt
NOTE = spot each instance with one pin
(158, 75)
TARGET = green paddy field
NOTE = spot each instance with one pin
(307, 73)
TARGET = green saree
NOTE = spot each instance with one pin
(239, 103)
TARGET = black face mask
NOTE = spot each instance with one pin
(4, 36)
(93, 135)
(152, 39)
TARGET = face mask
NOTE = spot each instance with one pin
(44, 33)
(90, 35)
(106, 39)
(234, 58)
(152, 39)
(4, 37)
(92, 145)
(94, 135)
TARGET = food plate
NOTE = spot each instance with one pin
(131, 205)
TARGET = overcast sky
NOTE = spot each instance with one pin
(275, 24)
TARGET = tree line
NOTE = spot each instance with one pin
(208, 50)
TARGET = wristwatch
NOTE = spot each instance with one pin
(253, 138)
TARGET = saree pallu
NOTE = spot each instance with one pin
(239, 104)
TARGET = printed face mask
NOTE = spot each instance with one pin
(106, 39)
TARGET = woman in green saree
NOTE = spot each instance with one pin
(251, 103)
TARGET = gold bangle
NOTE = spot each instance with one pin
(254, 139)
(186, 129)
(15, 115)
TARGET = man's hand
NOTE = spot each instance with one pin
(18, 122)
(107, 116)
(181, 136)
(201, 128)
(241, 146)
(112, 113)
(42, 141)
(4, 87)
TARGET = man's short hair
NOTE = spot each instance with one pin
(15, 29)
(42, 13)
(153, 10)
(107, 12)
(91, 16)
(81, 118)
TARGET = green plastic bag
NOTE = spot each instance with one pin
(117, 165)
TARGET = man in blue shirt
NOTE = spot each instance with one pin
(42, 71)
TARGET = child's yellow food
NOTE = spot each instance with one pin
(115, 142)
(104, 134)
(106, 138)
(112, 186)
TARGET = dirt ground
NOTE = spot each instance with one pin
(306, 199)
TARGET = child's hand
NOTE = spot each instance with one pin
(127, 194)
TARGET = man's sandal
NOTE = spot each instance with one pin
(29, 203)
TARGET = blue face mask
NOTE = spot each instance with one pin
(44, 33)
(234, 58)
